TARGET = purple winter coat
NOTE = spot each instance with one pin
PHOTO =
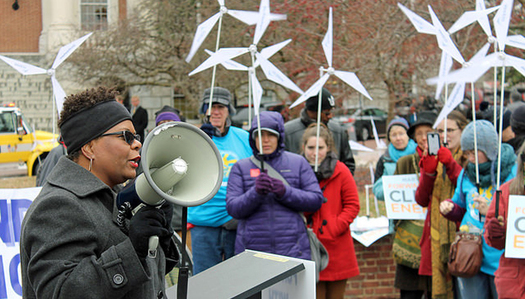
(268, 223)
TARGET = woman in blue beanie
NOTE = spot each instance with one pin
(470, 202)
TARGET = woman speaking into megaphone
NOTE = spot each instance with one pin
(71, 244)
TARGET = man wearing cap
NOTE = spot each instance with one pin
(213, 232)
(295, 128)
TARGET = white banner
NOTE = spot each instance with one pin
(515, 238)
(400, 197)
(13, 206)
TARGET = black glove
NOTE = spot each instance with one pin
(209, 129)
(165, 241)
(147, 222)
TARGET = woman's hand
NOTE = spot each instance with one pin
(445, 207)
(481, 204)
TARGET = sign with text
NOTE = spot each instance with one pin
(515, 238)
(400, 197)
(13, 205)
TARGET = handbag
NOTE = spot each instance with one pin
(466, 255)
(318, 252)
(405, 248)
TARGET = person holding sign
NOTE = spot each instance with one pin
(437, 183)
(470, 202)
(510, 276)
(406, 249)
(332, 222)
(72, 244)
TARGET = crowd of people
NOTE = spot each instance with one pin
(279, 178)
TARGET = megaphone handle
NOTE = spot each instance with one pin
(182, 282)
(152, 246)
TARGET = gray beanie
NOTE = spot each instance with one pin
(486, 135)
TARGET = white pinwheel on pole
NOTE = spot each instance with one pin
(347, 77)
(58, 91)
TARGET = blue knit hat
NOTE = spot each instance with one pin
(486, 135)
(397, 121)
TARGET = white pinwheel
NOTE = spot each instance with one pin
(247, 17)
(58, 91)
(479, 15)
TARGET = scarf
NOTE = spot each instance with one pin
(327, 167)
(487, 170)
(395, 154)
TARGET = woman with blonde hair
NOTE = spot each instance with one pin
(331, 223)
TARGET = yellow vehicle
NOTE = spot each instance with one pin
(20, 146)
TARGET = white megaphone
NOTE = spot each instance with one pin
(181, 165)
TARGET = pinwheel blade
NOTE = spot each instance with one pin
(251, 17)
(469, 17)
(230, 64)
(200, 35)
(421, 25)
(502, 21)
(313, 90)
(59, 94)
(328, 42)
(444, 68)
(68, 49)
(221, 2)
(352, 80)
(444, 41)
(517, 41)
(256, 93)
(263, 21)
(517, 63)
(274, 74)
(456, 97)
(22, 67)
(218, 57)
(269, 51)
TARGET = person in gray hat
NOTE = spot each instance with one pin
(295, 128)
(213, 232)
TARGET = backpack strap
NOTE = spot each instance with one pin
(271, 171)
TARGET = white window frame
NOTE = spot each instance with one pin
(89, 25)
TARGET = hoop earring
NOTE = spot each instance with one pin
(90, 163)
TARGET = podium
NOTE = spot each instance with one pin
(246, 275)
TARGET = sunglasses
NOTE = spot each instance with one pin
(127, 135)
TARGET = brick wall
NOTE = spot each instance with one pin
(377, 269)
(20, 28)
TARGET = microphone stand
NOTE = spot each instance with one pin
(182, 283)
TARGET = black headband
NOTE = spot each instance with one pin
(88, 124)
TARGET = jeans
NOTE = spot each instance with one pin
(210, 246)
(480, 286)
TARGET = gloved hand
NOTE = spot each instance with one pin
(209, 129)
(263, 184)
(278, 187)
(495, 229)
(428, 164)
(445, 156)
(147, 222)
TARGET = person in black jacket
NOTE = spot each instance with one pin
(295, 128)
(139, 115)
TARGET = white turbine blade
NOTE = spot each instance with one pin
(502, 21)
(421, 25)
(277, 17)
(230, 64)
(444, 68)
(263, 21)
(444, 41)
(517, 41)
(68, 49)
(256, 93)
(517, 63)
(456, 97)
(221, 2)
(352, 80)
(274, 74)
(200, 35)
(58, 93)
(359, 147)
(471, 71)
(313, 90)
(22, 67)
(469, 17)
(251, 17)
(328, 42)
(269, 51)
(218, 57)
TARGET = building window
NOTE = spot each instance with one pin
(94, 14)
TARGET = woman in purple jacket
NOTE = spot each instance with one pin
(266, 207)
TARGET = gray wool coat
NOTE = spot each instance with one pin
(71, 247)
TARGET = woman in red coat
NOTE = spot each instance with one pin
(331, 223)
